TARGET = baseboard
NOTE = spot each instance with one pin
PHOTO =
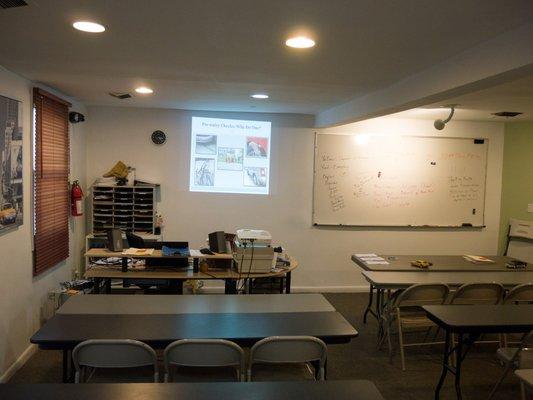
(19, 363)
(305, 289)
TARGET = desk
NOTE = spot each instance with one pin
(387, 281)
(229, 276)
(242, 319)
(402, 263)
(103, 253)
(340, 390)
(469, 322)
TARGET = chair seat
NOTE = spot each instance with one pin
(122, 375)
(506, 354)
(282, 372)
(415, 320)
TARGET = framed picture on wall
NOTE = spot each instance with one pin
(11, 174)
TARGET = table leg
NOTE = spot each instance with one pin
(124, 264)
(445, 365)
(176, 286)
(379, 313)
(370, 301)
(67, 366)
(230, 286)
(281, 284)
(458, 362)
(97, 283)
(288, 283)
(195, 264)
(108, 286)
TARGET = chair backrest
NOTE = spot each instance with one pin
(520, 294)
(478, 293)
(423, 294)
(204, 353)
(123, 353)
(289, 349)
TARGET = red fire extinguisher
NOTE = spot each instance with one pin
(76, 197)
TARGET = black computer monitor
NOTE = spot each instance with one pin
(135, 241)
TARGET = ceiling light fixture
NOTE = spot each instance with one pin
(144, 90)
(259, 96)
(439, 124)
(300, 42)
(87, 26)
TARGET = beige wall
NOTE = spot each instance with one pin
(23, 298)
(324, 253)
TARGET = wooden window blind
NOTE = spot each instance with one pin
(51, 188)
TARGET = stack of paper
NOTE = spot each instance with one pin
(478, 259)
(133, 251)
(371, 259)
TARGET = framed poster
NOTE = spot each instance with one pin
(11, 193)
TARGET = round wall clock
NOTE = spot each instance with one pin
(159, 137)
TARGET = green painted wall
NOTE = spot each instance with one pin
(517, 182)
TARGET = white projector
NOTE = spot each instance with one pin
(258, 237)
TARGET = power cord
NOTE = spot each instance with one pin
(250, 266)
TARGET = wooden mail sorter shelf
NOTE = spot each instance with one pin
(130, 208)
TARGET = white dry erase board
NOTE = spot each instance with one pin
(370, 180)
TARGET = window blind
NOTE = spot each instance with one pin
(51, 189)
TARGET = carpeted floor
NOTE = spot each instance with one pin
(360, 359)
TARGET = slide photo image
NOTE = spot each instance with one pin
(206, 144)
(230, 158)
(204, 171)
(255, 177)
(256, 146)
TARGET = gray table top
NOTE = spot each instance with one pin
(64, 331)
(441, 263)
(195, 304)
(482, 318)
(340, 390)
(525, 375)
(401, 280)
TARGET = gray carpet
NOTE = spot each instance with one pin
(360, 359)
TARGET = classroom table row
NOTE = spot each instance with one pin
(162, 319)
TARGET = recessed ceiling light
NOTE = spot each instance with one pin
(259, 96)
(300, 42)
(87, 26)
(144, 90)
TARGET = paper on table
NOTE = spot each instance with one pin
(366, 255)
(195, 253)
(132, 251)
(373, 259)
(377, 262)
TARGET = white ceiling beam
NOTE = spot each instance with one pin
(506, 57)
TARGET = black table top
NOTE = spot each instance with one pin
(64, 331)
(482, 318)
(339, 390)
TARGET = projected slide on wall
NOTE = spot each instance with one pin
(230, 156)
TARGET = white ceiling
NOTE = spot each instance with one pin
(211, 55)
(479, 106)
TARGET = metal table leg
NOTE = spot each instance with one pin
(288, 283)
(445, 365)
(97, 283)
(230, 286)
(108, 285)
(370, 302)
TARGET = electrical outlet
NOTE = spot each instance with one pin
(530, 208)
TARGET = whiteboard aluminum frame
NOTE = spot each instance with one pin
(425, 226)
